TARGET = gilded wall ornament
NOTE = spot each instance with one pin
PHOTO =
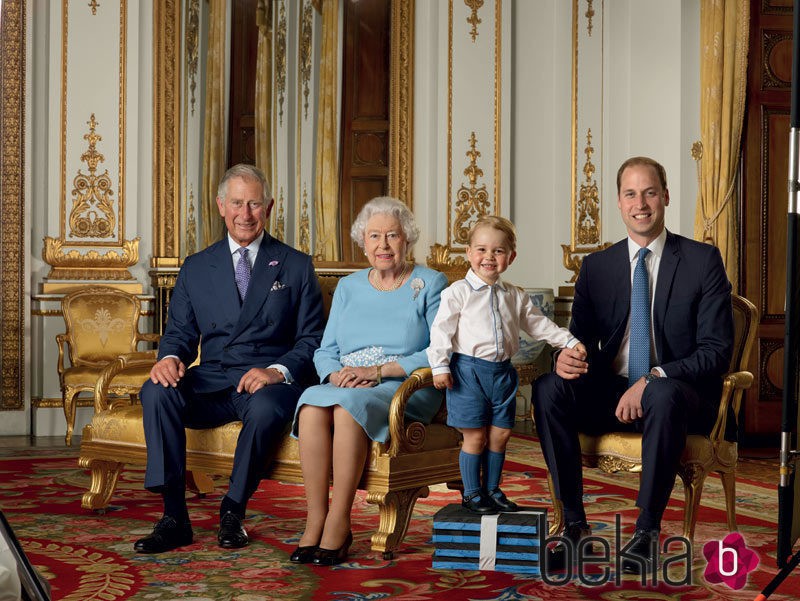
(192, 42)
(306, 35)
(401, 137)
(588, 217)
(473, 201)
(453, 267)
(473, 19)
(92, 214)
(280, 60)
(72, 265)
(280, 219)
(305, 234)
(191, 224)
(94, 5)
(589, 15)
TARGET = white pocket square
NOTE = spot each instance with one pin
(277, 286)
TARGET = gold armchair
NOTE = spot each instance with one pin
(102, 323)
(622, 451)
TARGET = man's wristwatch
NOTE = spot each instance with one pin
(649, 377)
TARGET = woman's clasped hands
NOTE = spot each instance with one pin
(355, 377)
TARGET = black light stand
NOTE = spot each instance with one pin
(788, 494)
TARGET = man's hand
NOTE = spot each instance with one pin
(258, 377)
(167, 372)
(629, 408)
(442, 381)
(571, 362)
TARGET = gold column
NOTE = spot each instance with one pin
(166, 150)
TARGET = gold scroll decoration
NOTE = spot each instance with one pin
(92, 214)
(473, 200)
(473, 19)
(306, 34)
(586, 217)
(280, 59)
(280, 218)
(72, 265)
(305, 231)
(454, 268)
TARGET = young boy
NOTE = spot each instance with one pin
(473, 337)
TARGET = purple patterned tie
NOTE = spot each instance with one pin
(242, 272)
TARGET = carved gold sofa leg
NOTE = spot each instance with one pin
(104, 481)
(729, 487)
(395, 515)
(199, 482)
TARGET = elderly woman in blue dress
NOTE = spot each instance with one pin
(376, 335)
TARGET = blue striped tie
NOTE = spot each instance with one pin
(242, 272)
(639, 350)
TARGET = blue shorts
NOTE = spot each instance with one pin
(483, 394)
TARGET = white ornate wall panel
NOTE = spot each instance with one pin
(477, 115)
(284, 14)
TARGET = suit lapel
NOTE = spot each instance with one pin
(265, 272)
(666, 273)
(221, 268)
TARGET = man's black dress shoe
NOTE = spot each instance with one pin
(479, 504)
(331, 557)
(574, 532)
(640, 552)
(167, 534)
(232, 534)
(498, 497)
(303, 554)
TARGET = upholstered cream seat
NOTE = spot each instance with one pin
(102, 323)
(622, 451)
(396, 474)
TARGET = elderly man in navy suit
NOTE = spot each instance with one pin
(254, 304)
(659, 338)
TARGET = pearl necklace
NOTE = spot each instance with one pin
(397, 283)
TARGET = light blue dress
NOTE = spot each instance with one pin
(367, 326)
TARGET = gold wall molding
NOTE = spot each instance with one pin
(473, 200)
(473, 19)
(94, 4)
(12, 202)
(191, 225)
(306, 36)
(585, 201)
(118, 236)
(280, 60)
(401, 102)
(92, 194)
(166, 131)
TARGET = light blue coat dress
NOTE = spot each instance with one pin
(367, 326)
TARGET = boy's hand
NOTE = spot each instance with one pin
(581, 349)
(443, 381)
(571, 362)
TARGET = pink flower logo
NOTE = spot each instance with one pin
(729, 561)
(273, 263)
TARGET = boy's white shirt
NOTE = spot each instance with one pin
(484, 321)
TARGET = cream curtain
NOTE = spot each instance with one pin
(724, 30)
(326, 197)
(263, 131)
(214, 131)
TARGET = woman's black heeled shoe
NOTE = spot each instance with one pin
(331, 557)
(303, 554)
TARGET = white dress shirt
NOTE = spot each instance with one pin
(652, 261)
(484, 321)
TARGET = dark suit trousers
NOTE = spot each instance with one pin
(167, 411)
(671, 409)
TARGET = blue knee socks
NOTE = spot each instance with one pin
(470, 466)
(494, 469)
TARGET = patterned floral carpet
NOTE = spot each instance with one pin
(90, 557)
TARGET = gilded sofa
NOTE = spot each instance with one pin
(396, 474)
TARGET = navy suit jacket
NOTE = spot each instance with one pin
(281, 320)
(692, 318)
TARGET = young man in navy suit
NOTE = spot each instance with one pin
(688, 327)
(254, 304)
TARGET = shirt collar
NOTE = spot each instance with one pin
(476, 283)
(252, 247)
(656, 246)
